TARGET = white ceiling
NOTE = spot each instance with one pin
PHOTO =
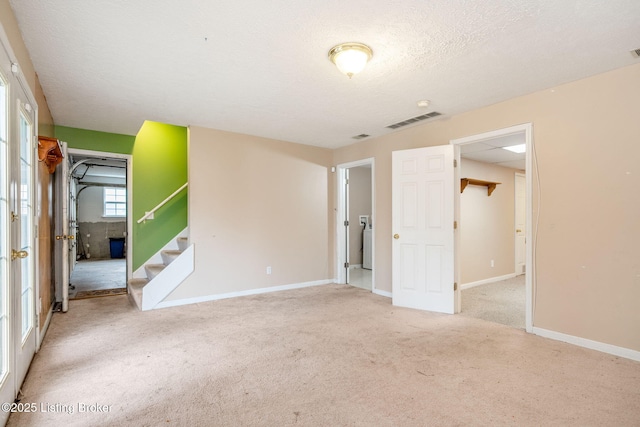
(261, 68)
(491, 151)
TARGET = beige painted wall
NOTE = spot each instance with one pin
(254, 203)
(587, 272)
(359, 204)
(486, 223)
(45, 120)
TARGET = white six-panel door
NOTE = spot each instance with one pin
(422, 227)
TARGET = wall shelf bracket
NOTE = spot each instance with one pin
(491, 185)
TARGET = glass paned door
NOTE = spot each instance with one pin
(4, 230)
(18, 282)
(23, 250)
(27, 297)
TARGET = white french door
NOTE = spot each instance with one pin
(6, 375)
(17, 231)
(22, 232)
(422, 224)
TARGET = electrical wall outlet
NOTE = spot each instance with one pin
(269, 270)
(493, 264)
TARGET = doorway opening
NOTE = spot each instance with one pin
(493, 239)
(355, 227)
(99, 217)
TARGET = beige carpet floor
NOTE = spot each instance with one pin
(502, 302)
(330, 355)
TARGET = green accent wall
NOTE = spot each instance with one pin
(159, 167)
(95, 141)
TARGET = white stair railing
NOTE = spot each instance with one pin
(162, 203)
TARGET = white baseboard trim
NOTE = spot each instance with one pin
(206, 298)
(489, 280)
(383, 293)
(45, 327)
(627, 353)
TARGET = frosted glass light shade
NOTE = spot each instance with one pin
(350, 58)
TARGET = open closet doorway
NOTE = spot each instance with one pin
(99, 220)
(355, 227)
(493, 241)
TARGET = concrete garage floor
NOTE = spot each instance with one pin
(91, 275)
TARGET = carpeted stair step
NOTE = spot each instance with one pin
(135, 291)
(183, 243)
(153, 270)
(168, 256)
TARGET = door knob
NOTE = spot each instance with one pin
(396, 236)
(18, 254)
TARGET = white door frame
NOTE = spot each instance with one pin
(515, 213)
(61, 245)
(341, 233)
(527, 130)
(128, 158)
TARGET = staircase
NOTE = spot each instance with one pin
(162, 279)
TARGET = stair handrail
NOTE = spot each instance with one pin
(162, 203)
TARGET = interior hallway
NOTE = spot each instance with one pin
(325, 355)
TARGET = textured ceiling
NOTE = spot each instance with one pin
(261, 67)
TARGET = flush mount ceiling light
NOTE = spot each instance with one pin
(350, 58)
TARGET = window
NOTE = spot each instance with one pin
(115, 201)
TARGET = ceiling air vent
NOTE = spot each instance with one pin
(414, 120)
(361, 136)
(636, 53)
